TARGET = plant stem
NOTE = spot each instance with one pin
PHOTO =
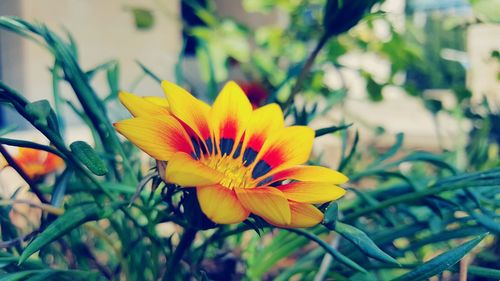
(33, 186)
(305, 70)
(185, 243)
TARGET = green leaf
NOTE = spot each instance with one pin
(335, 254)
(484, 272)
(363, 242)
(143, 18)
(330, 130)
(86, 154)
(391, 151)
(331, 215)
(39, 110)
(51, 274)
(113, 77)
(59, 189)
(374, 90)
(347, 159)
(148, 72)
(67, 222)
(433, 105)
(488, 222)
(16, 276)
(441, 262)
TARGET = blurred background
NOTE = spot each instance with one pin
(415, 67)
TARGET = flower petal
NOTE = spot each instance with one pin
(158, 137)
(230, 114)
(266, 202)
(183, 170)
(311, 192)
(138, 106)
(285, 148)
(309, 173)
(187, 108)
(304, 215)
(161, 101)
(263, 121)
(220, 204)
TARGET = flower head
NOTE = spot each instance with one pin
(37, 163)
(240, 160)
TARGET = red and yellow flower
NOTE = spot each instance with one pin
(240, 160)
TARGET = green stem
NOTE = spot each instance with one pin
(29, 144)
(305, 70)
(186, 240)
(33, 186)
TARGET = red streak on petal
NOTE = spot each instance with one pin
(256, 142)
(229, 128)
(179, 141)
(274, 157)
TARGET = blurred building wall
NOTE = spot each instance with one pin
(483, 76)
(103, 30)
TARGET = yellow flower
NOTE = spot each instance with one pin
(240, 160)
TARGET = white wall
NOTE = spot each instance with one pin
(104, 30)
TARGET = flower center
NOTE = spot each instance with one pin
(235, 174)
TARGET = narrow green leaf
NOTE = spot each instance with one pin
(331, 130)
(441, 262)
(391, 151)
(65, 223)
(446, 235)
(86, 154)
(484, 272)
(347, 159)
(335, 254)
(59, 189)
(149, 72)
(363, 242)
(486, 221)
(16, 276)
(51, 274)
(113, 77)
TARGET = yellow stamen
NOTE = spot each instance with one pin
(236, 175)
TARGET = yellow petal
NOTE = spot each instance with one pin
(183, 170)
(161, 101)
(140, 106)
(230, 113)
(262, 123)
(311, 192)
(304, 215)
(310, 173)
(220, 204)
(158, 137)
(285, 148)
(267, 203)
(187, 108)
